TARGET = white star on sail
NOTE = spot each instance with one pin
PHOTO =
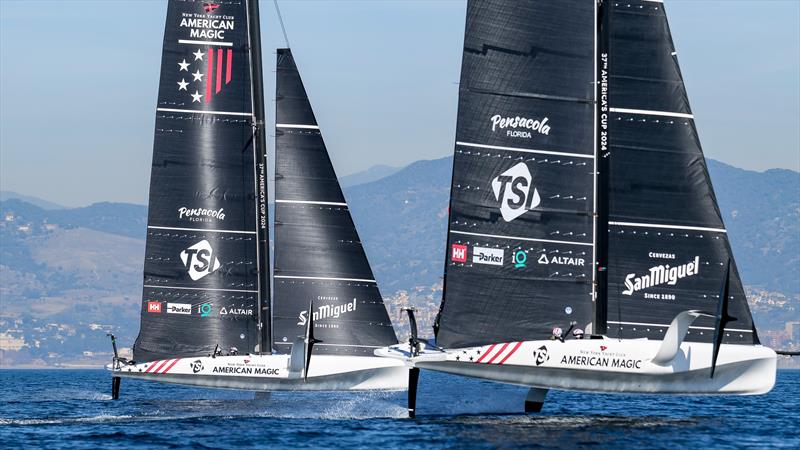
(196, 96)
(184, 65)
(197, 76)
(182, 84)
(198, 55)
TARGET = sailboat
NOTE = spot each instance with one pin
(585, 246)
(208, 317)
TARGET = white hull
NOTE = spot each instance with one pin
(606, 365)
(271, 373)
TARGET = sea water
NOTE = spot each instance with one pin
(73, 409)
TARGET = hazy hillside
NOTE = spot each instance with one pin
(69, 275)
(367, 176)
(402, 220)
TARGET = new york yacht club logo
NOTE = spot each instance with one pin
(520, 126)
(515, 191)
(200, 260)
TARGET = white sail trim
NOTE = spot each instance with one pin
(210, 230)
(311, 202)
(191, 42)
(196, 111)
(668, 227)
(497, 236)
(362, 280)
(305, 127)
(661, 325)
(524, 150)
(151, 286)
(649, 112)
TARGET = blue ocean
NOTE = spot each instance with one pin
(73, 409)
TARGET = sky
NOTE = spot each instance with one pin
(79, 79)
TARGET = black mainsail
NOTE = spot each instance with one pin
(573, 117)
(202, 283)
(520, 240)
(667, 244)
(318, 254)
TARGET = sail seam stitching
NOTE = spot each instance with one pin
(325, 278)
(650, 112)
(589, 244)
(667, 326)
(202, 229)
(524, 150)
(197, 288)
(289, 125)
(670, 227)
(193, 111)
(311, 202)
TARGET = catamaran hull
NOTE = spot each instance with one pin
(612, 366)
(265, 373)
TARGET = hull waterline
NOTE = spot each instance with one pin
(607, 365)
(266, 373)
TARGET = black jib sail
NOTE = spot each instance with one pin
(520, 241)
(667, 245)
(202, 260)
(318, 254)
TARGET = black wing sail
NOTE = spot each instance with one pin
(318, 254)
(201, 272)
(520, 240)
(667, 245)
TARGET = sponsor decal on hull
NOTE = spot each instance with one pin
(154, 307)
(161, 366)
(490, 354)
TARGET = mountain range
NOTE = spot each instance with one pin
(68, 275)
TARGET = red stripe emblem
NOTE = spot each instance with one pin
(488, 350)
(502, 349)
(513, 349)
(209, 73)
(219, 71)
(228, 66)
(171, 365)
(160, 365)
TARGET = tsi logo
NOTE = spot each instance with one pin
(483, 255)
(515, 192)
(540, 355)
(458, 253)
(200, 260)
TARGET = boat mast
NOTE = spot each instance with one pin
(602, 157)
(260, 149)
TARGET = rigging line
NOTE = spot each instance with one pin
(280, 19)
